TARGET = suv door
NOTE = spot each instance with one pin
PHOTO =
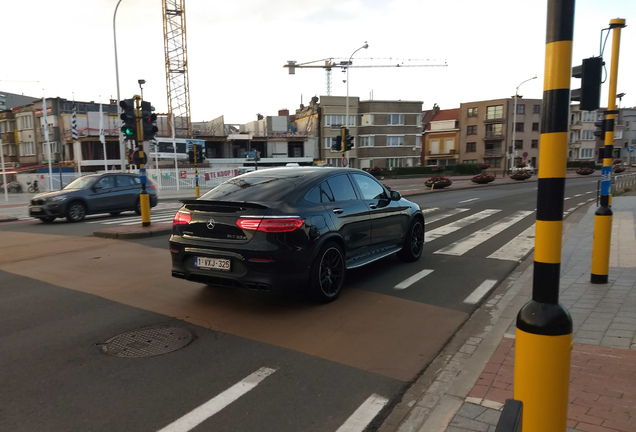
(388, 219)
(102, 198)
(128, 188)
(349, 214)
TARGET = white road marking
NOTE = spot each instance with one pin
(452, 227)
(478, 237)
(517, 248)
(131, 220)
(444, 215)
(480, 291)
(468, 200)
(361, 418)
(410, 281)
(216, 404)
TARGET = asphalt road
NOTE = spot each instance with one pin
(258, 362)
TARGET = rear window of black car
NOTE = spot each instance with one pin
(251, 189)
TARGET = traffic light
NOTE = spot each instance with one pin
(129, 118)
(336, 143)
(590, 72)
(601, 126)
(191, 156)
(348, 140)
(149, 121)
(199, 150)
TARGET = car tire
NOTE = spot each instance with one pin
(47, 219)
(75, 212)
(413, 242)
(327, 273)
(138, 207)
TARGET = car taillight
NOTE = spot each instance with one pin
(181, 218)
(271, 225)
(151, 187)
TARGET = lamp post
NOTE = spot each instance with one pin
(513, 150)
(346, 122)
(121, 137)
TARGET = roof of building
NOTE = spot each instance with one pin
(449, 114)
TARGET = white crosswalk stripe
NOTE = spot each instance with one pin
(478, 237)
(155, 216)
(517, 248)
(454, 226)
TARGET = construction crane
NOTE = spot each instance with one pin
(330, 63)
(174, 32)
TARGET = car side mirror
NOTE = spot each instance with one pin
(97, 187)
(395, 196)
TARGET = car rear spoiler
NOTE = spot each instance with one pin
(203, 204)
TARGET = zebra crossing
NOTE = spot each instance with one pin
(356, 422)
(158, 216)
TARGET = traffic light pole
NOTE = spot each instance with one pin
(144, 198)
(343, 134)
(544, 327)
(603, 216)
(196, 171)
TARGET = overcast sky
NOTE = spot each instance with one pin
(237, 49)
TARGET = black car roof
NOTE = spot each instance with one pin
(300, 174)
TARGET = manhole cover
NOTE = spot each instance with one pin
(147, 342)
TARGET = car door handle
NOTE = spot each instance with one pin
(338, 210)
(373, 206)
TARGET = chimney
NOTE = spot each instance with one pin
(259, 116)
(283, 113)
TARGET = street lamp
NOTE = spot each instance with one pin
(514, 124)
(346, 122)
(121, 137)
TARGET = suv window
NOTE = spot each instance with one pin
(107, 182)
(124, 181)
(369, 188)
(342, 188)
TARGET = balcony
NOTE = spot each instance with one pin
(450, 152)
(490, 120)
(493, 153)
(494, 135)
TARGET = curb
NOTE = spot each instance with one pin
(7, 219)
(134, 232)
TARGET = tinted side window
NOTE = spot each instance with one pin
(369, 188)
(123, 181)
(342, 188)
(313, 195)
(107, 182)
(326, 196)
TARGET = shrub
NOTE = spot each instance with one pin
(483, 178)
(375, 171)
(483, 166)
(438, 182)
(521, 175)
(521, 165)
(585, 171)
(467, 168)
(617, 161)
(438, 168)
(618, 169)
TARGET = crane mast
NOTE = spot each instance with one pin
(174, 32)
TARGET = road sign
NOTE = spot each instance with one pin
(344, 162)
(525, 154)
(630, 149)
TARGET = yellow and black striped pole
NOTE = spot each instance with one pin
(144, 198)
(544, 327)
(603, 216)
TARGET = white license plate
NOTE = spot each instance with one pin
(212, 263)
(36, 209)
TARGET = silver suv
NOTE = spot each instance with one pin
(91, 194)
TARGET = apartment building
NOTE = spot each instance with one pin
(500, 132)
(441, 139)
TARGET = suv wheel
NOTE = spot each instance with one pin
(75, 212)
(327, 273)
(413, 242)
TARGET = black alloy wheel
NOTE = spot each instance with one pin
(138, 207)
(327, 273)
(413, 242)
(75, 212)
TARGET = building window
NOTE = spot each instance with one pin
(521, 109)
(519, 127)
(395, 119)
(494, 112)
(338, 120)
(469, 161)
(25, 122)
(471, 147)
(27, 148)
(535, 127)
(434, 147)
(11, 149)
(394, 162)
(494, 130)
(394, 140)
(493, 162)
(55, 148)
(586, 153)
(536, 109)
(367, 141)
(588, 116)
(418, 141)
(472, 112)
(535, 143)
(518, 144)
(587, 135)
(471, 130)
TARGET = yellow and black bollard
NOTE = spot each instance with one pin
(603, 216)
(544, 327)
(144, 198)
